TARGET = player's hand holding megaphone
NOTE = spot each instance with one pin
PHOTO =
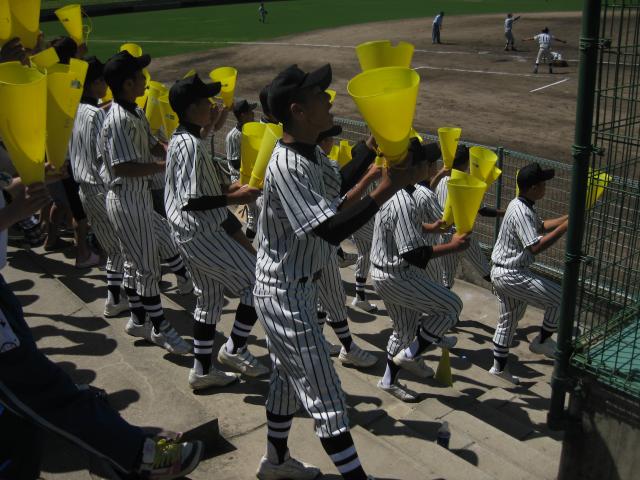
(243, 195)
(460, 242)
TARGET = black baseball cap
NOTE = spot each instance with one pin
(264, 99)
(189, 90)
(242, 106)
(291, 81)
(332, 132)
(123, 65)
(461, 157)
(95, 70)
(533, 174)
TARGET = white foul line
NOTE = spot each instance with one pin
(550, 85)
(475, 71)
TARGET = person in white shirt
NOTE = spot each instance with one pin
(544, 39)
(508, 31)
(437, 26)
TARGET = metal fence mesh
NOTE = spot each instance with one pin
(608, 310)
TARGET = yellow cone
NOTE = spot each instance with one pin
(333, 154)
(493, 176)
(227, 76)
(153, 109)
(5, 22)
(344, 153)
(190, 73)
(25, 21)
(133, 48)
(45, 58)
(386, 98)
(382, 54)
(332, 95)
(447, 213)
(71, 18)
(597, 182)
(170, 118)
(482, 162)
(272, 133)
(252, 133)
(64, 89)
(23, 116)
(517, 188)
(443, 373)
(449, 138)
(466, 197)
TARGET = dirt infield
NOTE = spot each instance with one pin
(468, 81)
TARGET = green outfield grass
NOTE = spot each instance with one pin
(170, 32)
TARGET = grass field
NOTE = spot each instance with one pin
(171, 32)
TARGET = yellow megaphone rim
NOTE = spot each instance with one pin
(133, 48)
(45, 59)
(227, 76)
(381, 53)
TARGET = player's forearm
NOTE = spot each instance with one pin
(132, 169)
(549, 239)
(438, 176)
(549, 225)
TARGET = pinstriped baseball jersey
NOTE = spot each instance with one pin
(520, 229)
(232, 143)
(125, 137)
(397, 231)
(332, 177)
(544, 39)
(83, 147)
(190, 174)
(295, 202)
(365, 233)
(429, 210)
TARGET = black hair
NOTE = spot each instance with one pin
(462, 157)
(116, 88)
(299, 96)
(545, 30)
(65, 47)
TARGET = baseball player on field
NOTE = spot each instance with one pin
(544, 39)
(126, 146)
(522, 236)
(421, 310)
(299, 226)
(86, 165)
(216, 252)
(508, 31)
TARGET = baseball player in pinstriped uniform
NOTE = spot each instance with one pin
(544, 39)
(126, 144)
(87, 166)
(216, 252)
(522, 236)
(508, 31)
(298, 225)
(474, 253)
(421, 310)
(243, 112)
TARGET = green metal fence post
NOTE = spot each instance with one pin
(581, 151)
(496, 227)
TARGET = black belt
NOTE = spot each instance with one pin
(315, 277)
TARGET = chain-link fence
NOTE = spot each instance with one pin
(608, 310)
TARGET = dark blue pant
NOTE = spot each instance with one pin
(37, 394)
(435, 34)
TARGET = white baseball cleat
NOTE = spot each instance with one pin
(185, 285)
(348, 260)
(171, 341)
(505, 375)
(401, 392)
(547, 348)
(215, 378)
(447, 342)
(112, 309)
(290, 469)
(413, 365)
(243, 362)
(357, 357)
(364, 305)
(136, 330)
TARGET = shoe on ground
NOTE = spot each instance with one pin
(290, 469)
(136, 330)
(244, 362)
(548, 348)
(215, 378)
(347, 260)
(401, 392)
(163, 459)
(91, 261)
(364, 305)
(413, 365)
(112, 309)
(185, 285)
(334, 350)
(171, 341)
(357, 357)
(447, 342)
(505, 375)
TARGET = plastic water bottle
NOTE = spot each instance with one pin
(444, 435)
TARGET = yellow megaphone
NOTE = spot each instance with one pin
(107, 96)
(447, 213)
(482, 162)
(466, 197)
(332, 94)
(517, 187)
(25, 21)
(5, 22)
(449, 138)
(333, 154)
(45, 58)
(153, 109)
(71, 18)
(596, 183)
(381, 53)
(133, 48)
(65, 85)
(415, 134)
(386, 98)
(23, 117)
(493, 176)
(272, 133)
(190, 73)
(344, 153)
(227, 76)
(252, 133)
(170, 120)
